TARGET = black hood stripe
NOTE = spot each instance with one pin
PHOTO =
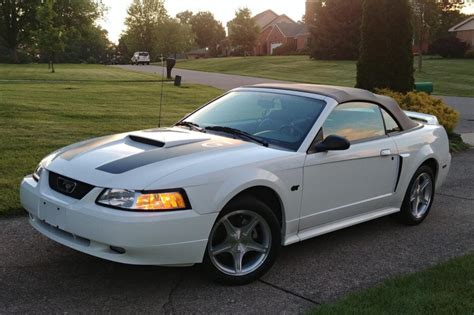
(156, 155)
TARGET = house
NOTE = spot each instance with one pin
(277, 30)
(198, 53)
(465, 31)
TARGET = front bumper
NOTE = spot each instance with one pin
(167, 238)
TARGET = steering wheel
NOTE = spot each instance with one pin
(265, 124)
(292, 129)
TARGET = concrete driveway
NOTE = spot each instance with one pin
(40, 276)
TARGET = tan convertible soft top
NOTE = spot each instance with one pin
(347, 94)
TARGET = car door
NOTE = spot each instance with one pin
(339, 185)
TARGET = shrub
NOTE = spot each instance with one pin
(424, 103)
(449, 47)
(285, 50)
(469, 54)
(5, 56)
(91, 60)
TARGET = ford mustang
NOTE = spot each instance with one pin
(258, 168)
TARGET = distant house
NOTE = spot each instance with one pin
(277, 30)
(198, 53)
(465, 31)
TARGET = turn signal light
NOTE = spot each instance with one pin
(160, 201)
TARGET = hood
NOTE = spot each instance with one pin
(134, 160)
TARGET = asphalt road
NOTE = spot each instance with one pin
(219, 80)
(465, 105)
(40, 276)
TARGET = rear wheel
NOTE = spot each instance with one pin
(419, 197)
(243, 243)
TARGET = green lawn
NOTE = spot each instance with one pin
(444, 289)
(450, 77)
(38, 117)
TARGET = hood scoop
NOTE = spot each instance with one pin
(165, 139)
(148, 141)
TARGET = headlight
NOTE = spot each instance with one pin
(37, 174)
(144, 201)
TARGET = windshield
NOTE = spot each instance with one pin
(144, 54)
(279, 119)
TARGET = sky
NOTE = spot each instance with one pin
(223, 10)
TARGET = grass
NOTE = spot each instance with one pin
(78, 73)
(450, 76)
(444, 289)
(49, 112)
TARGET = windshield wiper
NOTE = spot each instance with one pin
(190, 125)
(239, 133)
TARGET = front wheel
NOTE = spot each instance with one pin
(419, 197)
(243, 243)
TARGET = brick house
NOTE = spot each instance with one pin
(465, 31)
(277, 30)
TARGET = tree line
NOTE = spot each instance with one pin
(68, 31)
(150, 28)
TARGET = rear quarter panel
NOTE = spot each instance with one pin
(416, 147)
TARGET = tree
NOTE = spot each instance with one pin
(243, 31)
(440, 16)
(175, 38)
(48, 36)
(386, 57)
(335, 30)
(185, 17)
(208, 31)
(143, 24)
(83, 39)
(17, 18)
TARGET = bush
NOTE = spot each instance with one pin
(469, 54)
(5, 56)
(449, 47)
(424, 103)
(285, 50)
(91, 60)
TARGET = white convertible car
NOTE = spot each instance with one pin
(257, 168)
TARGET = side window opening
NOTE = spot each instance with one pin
(355, 122)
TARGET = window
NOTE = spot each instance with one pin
(390, 124)
(355, 122)
(280, 119)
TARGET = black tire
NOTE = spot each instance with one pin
(406, 215)
(255, 207)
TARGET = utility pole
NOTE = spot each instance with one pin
(420, 9)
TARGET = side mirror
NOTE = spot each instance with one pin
(333, 143)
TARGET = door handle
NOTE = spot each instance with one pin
(385, 152)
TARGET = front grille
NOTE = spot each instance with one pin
(68, 186)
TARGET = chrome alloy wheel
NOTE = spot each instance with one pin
(240, 243)
(420, 196)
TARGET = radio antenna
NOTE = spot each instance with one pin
(162, 84)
